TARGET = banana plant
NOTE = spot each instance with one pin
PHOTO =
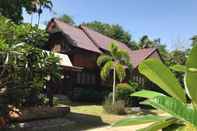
(175, 104)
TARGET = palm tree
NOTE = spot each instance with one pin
(37, 6)
(115, 60)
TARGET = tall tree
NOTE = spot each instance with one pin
(178, 57)
(67, 19)
(146, 42)
(194, 40)
(12, 9)
(114, 61)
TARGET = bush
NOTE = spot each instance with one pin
(123, 91)
(117, 108)
(24, 68)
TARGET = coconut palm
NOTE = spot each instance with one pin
(37, 6)
(115, 60)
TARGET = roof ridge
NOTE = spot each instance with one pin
(84, 28)
(76, 34)
(88, 35)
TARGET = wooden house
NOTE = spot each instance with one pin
(83, 45)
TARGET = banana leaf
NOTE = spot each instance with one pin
(158, 73)
(135, 120)
(146, 94)
(159, 125)
(174, 107)
(191, 75)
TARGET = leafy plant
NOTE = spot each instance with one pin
(13, 9)
(115, 60)
(124, 90)
(24, 69)
(176, 106)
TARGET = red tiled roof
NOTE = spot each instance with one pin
(79, 38)
(91, 40)
(103, 41)
(139, 55)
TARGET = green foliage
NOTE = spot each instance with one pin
(106, 69)
(190, 78)
(102, 59)
(25, 69)
(124, 90)
(146, 94)
(135, 120)
(159, 125)
(165, 80)
(176, 106)
(12, 9)
(178, 68)
(24, 33)
(115, 60)
(178, 57)
(194, 40)
(67, 19)
(120, 71)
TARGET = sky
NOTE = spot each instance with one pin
(173, 21)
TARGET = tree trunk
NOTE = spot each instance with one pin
(114, 86)
(31, 18)
(39, 19)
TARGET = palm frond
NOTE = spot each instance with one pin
(105, 71)
(102, 59)
(120, 71)
(113, 48)
(123, 56)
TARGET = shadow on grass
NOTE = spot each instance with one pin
(84, 121)
(84, 104)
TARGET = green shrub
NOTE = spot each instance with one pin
(117, 108)
(123, 91)
(24, 68)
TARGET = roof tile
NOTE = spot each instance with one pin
(79, 38)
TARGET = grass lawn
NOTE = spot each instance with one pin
(97, 110)
(88, 116)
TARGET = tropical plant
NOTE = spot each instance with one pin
(115, 60)
(13, 9)
(24, 69)
(194, 40)
(180, 112)
(124, 90)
